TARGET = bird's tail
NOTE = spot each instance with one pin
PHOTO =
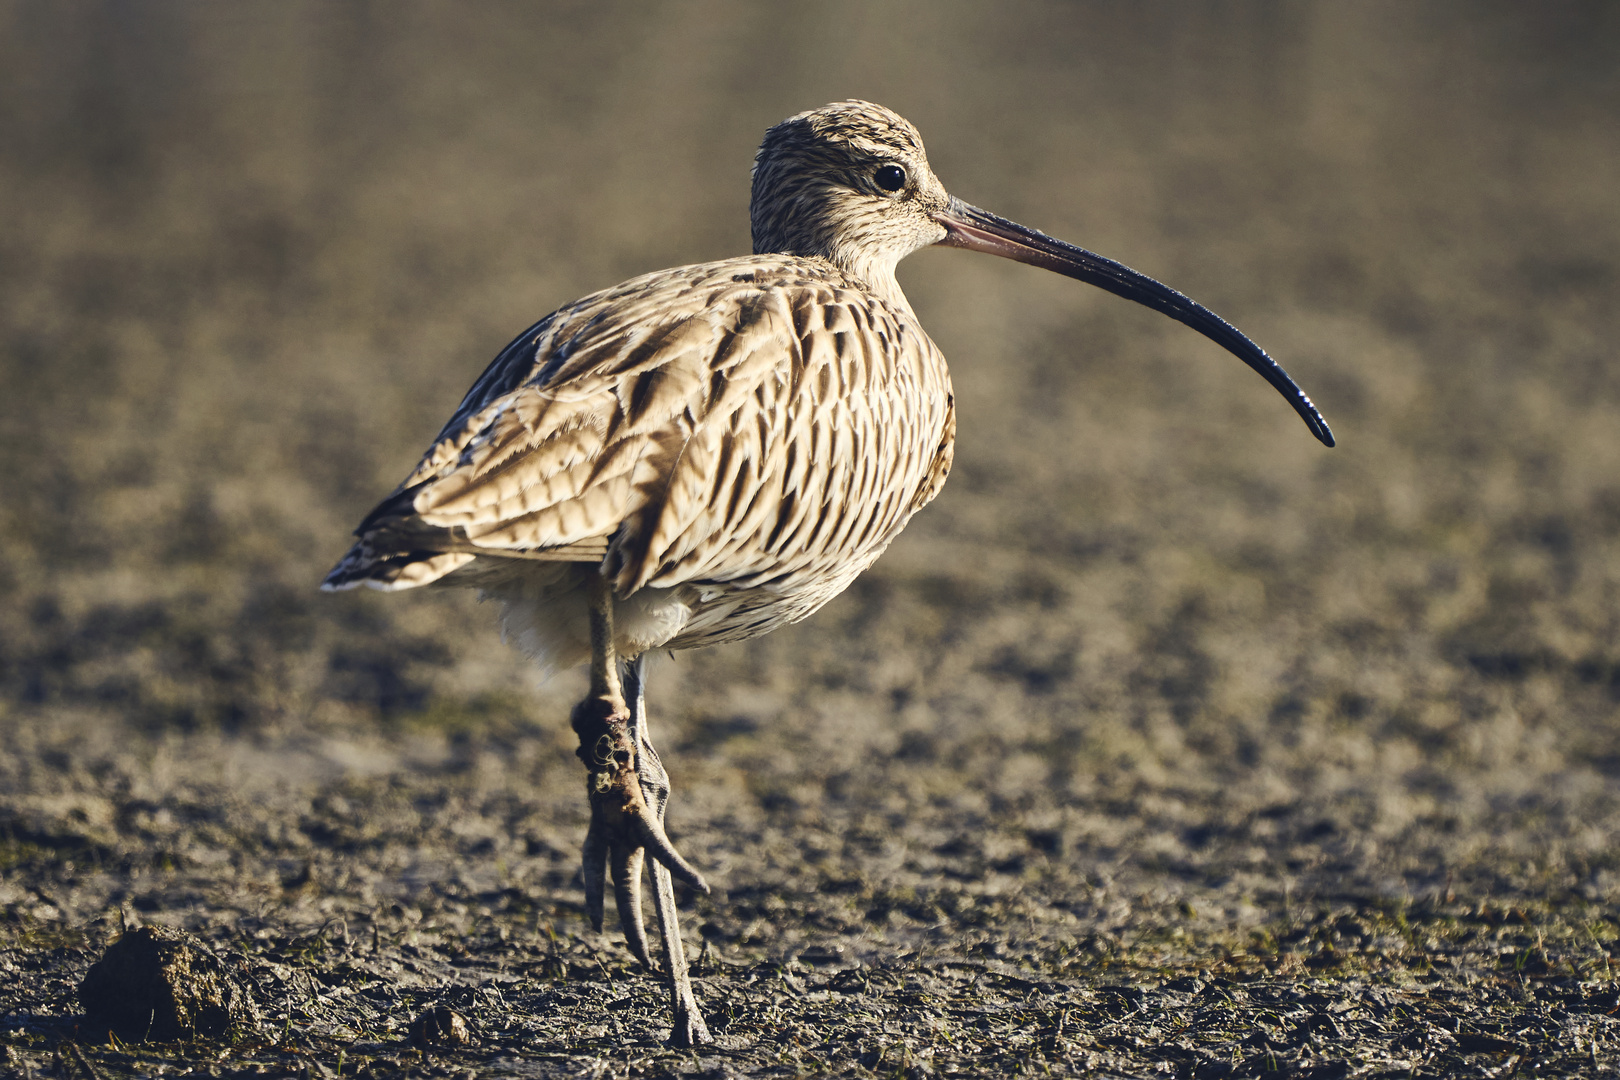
(393, 570)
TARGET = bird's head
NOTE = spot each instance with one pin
(850, 183)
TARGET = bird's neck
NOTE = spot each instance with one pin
(876, 272)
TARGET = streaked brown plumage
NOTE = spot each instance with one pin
(704, 454)
(732, 443)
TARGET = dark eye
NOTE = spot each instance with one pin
(890, 178)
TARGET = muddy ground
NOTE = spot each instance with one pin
(1166, 742)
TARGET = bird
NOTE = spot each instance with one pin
(703, 454)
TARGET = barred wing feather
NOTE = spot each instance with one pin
(746, 422)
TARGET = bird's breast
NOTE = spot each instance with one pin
(810, 462)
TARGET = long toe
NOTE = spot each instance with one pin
(627, 864)
(595, 859)
(649, 833)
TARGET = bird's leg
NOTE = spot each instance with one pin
(601, 721)
(688, 1028)
(627, 871)
(623, 826)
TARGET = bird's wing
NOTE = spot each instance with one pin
(731, 421)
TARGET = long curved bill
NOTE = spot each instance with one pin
(979, 230)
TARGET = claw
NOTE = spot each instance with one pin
(651, 836)
(627, 863)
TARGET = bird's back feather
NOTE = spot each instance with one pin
(762, 423)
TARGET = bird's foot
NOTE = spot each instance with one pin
(624, 827)
(689, 1029)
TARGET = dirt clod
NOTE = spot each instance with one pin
(440, 1028)
(163, 984)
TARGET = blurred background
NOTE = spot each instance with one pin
(251, 256)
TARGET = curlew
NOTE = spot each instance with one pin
(706, 453)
